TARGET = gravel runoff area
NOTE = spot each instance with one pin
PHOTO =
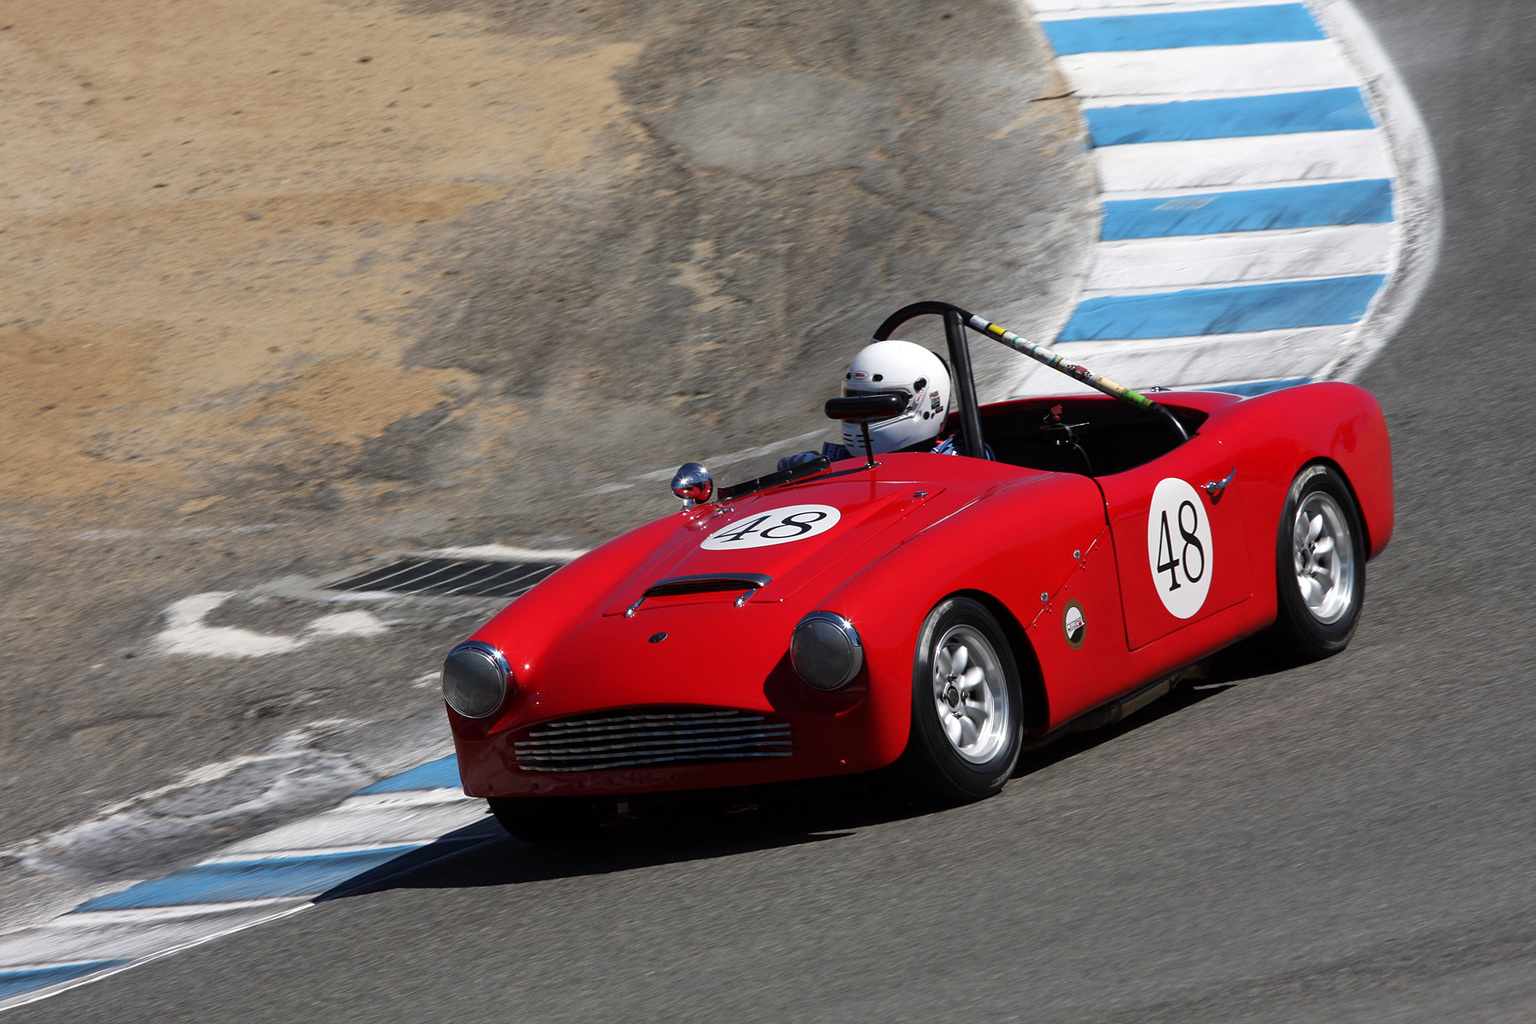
(292, 284)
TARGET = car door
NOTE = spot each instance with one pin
(1177, 525)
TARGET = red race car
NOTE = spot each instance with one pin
(928, 611)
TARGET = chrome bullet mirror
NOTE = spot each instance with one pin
(693, 484)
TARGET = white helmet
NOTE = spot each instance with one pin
(902, 368)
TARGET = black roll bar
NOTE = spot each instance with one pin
(955, 322)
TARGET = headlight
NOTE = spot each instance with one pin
(475, 679)
(826, 651)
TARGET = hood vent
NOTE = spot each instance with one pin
(650, 736)
(748, 583)
(705, 584)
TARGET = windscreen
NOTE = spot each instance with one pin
(760, 474)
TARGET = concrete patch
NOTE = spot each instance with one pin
(781, 126)
(207, 806)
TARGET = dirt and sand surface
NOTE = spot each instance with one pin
(286, 285)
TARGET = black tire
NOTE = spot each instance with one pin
(1315, 623)
(545, 821)
(937, 766)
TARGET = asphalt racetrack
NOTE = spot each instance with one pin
(1350, 841)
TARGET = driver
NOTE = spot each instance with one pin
(902, 368)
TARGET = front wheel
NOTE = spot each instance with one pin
(1319, 567)
(545, 820)
(967, 705)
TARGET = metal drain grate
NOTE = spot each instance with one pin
(452, 576)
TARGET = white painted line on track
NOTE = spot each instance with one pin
(166, 945)
(1419, 212)
(185, 631)
(141, 915)
(502, 553)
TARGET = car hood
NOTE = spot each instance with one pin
(591, 637)
(780, 539)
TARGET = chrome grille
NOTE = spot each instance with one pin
(650, 736)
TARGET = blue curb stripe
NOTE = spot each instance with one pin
(1318, 110)
(19, 983)
(1264, 209)
(1259, 387)
(248, 880)
(1264, 307)
(440, 774)
(1284, 23)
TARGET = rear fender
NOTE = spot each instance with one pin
(1272, 437)
(1339, 423)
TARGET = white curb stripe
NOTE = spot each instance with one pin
(75, 938)
(1165, 264)
(1102, 79)
(1059, 10)
(1212, 359)
(350, 827)
(1208, 165)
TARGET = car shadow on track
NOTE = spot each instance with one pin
(1219, 673)
(821, 811)
(483, 855)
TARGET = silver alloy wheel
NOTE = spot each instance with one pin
(1323, 551)
(970, 694)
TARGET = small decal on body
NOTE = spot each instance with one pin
(1074, 625)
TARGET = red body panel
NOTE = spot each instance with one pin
(914, 530)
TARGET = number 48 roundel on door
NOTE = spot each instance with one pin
(1179, 548)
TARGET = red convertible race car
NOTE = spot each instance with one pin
(929, 611)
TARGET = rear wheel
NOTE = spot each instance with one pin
(1319, 567)
(545, 820)
(967, 705)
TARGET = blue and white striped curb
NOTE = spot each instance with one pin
(1268, 194)
(1269, 215)
(259, 879)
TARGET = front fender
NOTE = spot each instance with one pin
(1013, 544)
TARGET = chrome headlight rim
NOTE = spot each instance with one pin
(811, 674)
(497, 661)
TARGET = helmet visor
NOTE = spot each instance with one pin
(850, 390)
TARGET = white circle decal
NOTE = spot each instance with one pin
(776, 526)
(1179, 547)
